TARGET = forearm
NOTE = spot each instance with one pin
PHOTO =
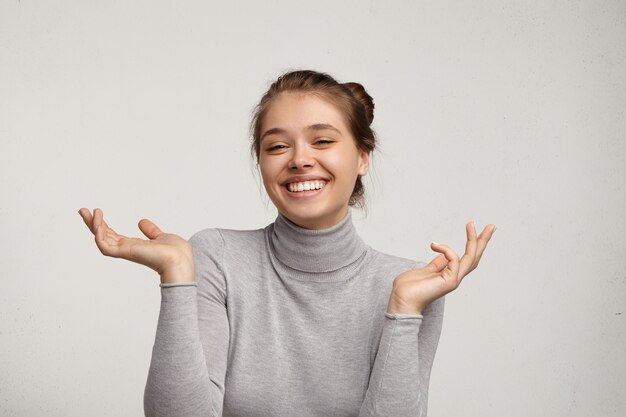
(178, 382)
(394, 388)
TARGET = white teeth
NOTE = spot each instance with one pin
(305, 186)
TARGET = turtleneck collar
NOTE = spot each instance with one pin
(321, 252)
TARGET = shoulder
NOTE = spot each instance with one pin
(212, 249)
(392, 262)
(206, 236)
(218, 239)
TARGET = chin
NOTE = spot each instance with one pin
(302, 218)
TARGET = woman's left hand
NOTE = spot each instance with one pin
(415, 289)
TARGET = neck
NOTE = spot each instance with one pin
(320, 223)
(316, 251)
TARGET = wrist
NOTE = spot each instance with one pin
(178, 276)
(396, 306)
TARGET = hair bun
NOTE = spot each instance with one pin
(365, 99)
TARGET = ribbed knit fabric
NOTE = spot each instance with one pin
(285, 321)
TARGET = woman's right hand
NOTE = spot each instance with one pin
(166, 253)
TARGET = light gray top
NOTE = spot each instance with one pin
(285, 321)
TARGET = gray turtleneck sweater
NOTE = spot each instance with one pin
(285, 321)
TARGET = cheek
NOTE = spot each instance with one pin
(265, 178)
(263, 167)
(268, 172)
(345, 166)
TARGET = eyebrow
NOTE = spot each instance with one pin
(316, 126)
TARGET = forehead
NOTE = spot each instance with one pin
(293, 110)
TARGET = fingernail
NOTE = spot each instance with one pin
(435, 243)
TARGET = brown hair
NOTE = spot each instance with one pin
(351, 100)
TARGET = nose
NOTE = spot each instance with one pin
(301, 158)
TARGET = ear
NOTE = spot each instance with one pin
(364, 162)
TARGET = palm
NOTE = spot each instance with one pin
(413, 290)
(163, 252)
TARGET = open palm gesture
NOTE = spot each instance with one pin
(166, 253)
(415, 289)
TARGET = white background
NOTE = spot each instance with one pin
(511, 113)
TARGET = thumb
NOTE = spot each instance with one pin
(149, 229)
(438, 264)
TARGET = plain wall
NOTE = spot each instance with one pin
(510, 113)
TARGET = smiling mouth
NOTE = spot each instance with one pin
(298, 187)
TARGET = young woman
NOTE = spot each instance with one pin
(300, 318)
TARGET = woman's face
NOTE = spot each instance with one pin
(309, 160)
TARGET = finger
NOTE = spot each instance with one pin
(107, 240)
(437, 264)
(97, 218)
(482, 241)
(149, 229)
(451, 257)
(101, 240)
(99, 236)
(98, 231)
(87, 217)
(467, 262)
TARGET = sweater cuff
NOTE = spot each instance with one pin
(396, 316)
(179, 284)
(178, 296)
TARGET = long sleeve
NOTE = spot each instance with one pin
(400, 376)
(295, 342)
(186, 376)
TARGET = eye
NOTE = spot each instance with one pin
(276, 148)
(324, 141)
